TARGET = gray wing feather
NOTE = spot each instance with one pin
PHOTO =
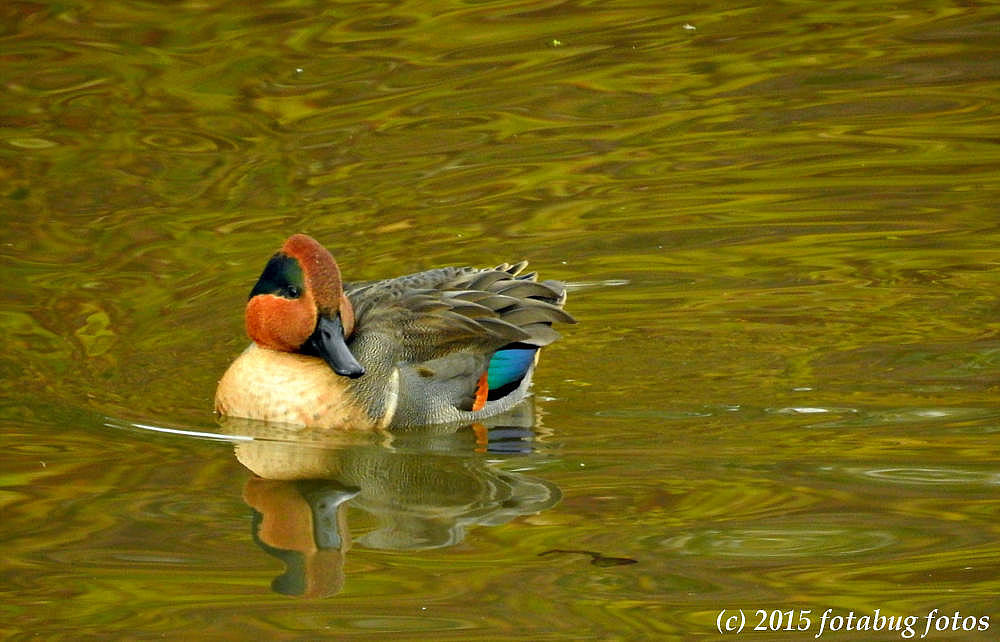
(431, 314)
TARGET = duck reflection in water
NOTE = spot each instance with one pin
(423, 489)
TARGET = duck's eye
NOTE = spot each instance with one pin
(282, 277)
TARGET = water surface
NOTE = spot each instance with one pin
(779, 224)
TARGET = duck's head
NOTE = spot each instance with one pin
(299, 305)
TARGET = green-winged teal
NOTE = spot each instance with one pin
(455, 344)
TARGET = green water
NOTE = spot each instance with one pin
(779, 223)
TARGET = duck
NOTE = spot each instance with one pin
(447, 345)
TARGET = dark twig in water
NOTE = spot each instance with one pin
(596, 559)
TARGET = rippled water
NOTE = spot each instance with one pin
(779, 224)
